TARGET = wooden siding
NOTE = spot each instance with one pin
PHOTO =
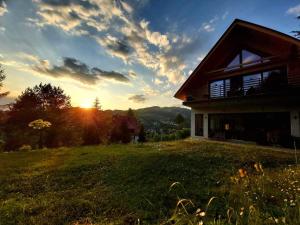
(294, 73)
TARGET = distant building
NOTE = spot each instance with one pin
(247, 87)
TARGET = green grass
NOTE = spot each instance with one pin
(121, 184)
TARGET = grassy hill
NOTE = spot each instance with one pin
(131, 184)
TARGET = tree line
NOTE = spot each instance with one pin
(42, 116)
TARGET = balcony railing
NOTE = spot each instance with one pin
(247, 85)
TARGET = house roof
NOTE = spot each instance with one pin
(237, 23)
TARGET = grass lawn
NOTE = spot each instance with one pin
(130, 184)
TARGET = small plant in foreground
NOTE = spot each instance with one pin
(40, 125)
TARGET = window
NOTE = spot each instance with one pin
(217, 89)
(261, 82)
(199, 124)
(236, 87)
(243, 59)
(251, 83)
(249, 58)
(235, 62)
(274, 79)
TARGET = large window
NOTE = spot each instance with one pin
(249, 84)
(243, 59)
(217, 89)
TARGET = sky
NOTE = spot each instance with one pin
(134, 53)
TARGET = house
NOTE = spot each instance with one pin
(247, 87)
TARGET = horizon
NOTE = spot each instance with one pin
(130, 54)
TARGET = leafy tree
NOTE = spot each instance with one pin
(297, 32)
(42, 97)
(142, 135)
(125, 132)
(179, 119)
(41, 101)
(40, 125)
(130, 113)
(2, 77)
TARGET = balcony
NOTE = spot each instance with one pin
(252, 84)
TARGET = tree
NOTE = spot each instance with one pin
(41, 101)
(42, 97)
(97, 104)
(2, 77)
(130, 113)
(297, 32)
(40, 125)
(179, 119)
(142, 135)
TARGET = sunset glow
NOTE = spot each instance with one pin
(86, 105)
(133, 53)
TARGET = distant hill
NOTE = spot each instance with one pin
(153, 115)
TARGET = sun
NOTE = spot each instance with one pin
(86, 105)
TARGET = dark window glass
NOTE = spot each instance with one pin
(234, 63)
(244, 58)
(227, 87)
(251, 84)
(199, 124)
(236, 86)
(248, 57)
(274, 79)
(217, 89)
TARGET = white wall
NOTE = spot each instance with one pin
(295, 123)
(205, 123)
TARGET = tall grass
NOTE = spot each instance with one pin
(253, 196)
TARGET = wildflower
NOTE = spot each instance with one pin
(200, 213)
(200, 222)
(242, 211)
(258, 167)
(293, 204)
(285, 200)
(242, 172)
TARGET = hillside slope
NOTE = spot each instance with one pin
(124, 184)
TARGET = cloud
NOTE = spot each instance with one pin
(3, 7)
(138, 98)
(110, 75)
(6, 100)
(158, 81)
(79, 71)
(113, 25)
(28, 57)
(224, 16)
(132, 74)
(116, 47)
(210, 25)
(294, 10)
